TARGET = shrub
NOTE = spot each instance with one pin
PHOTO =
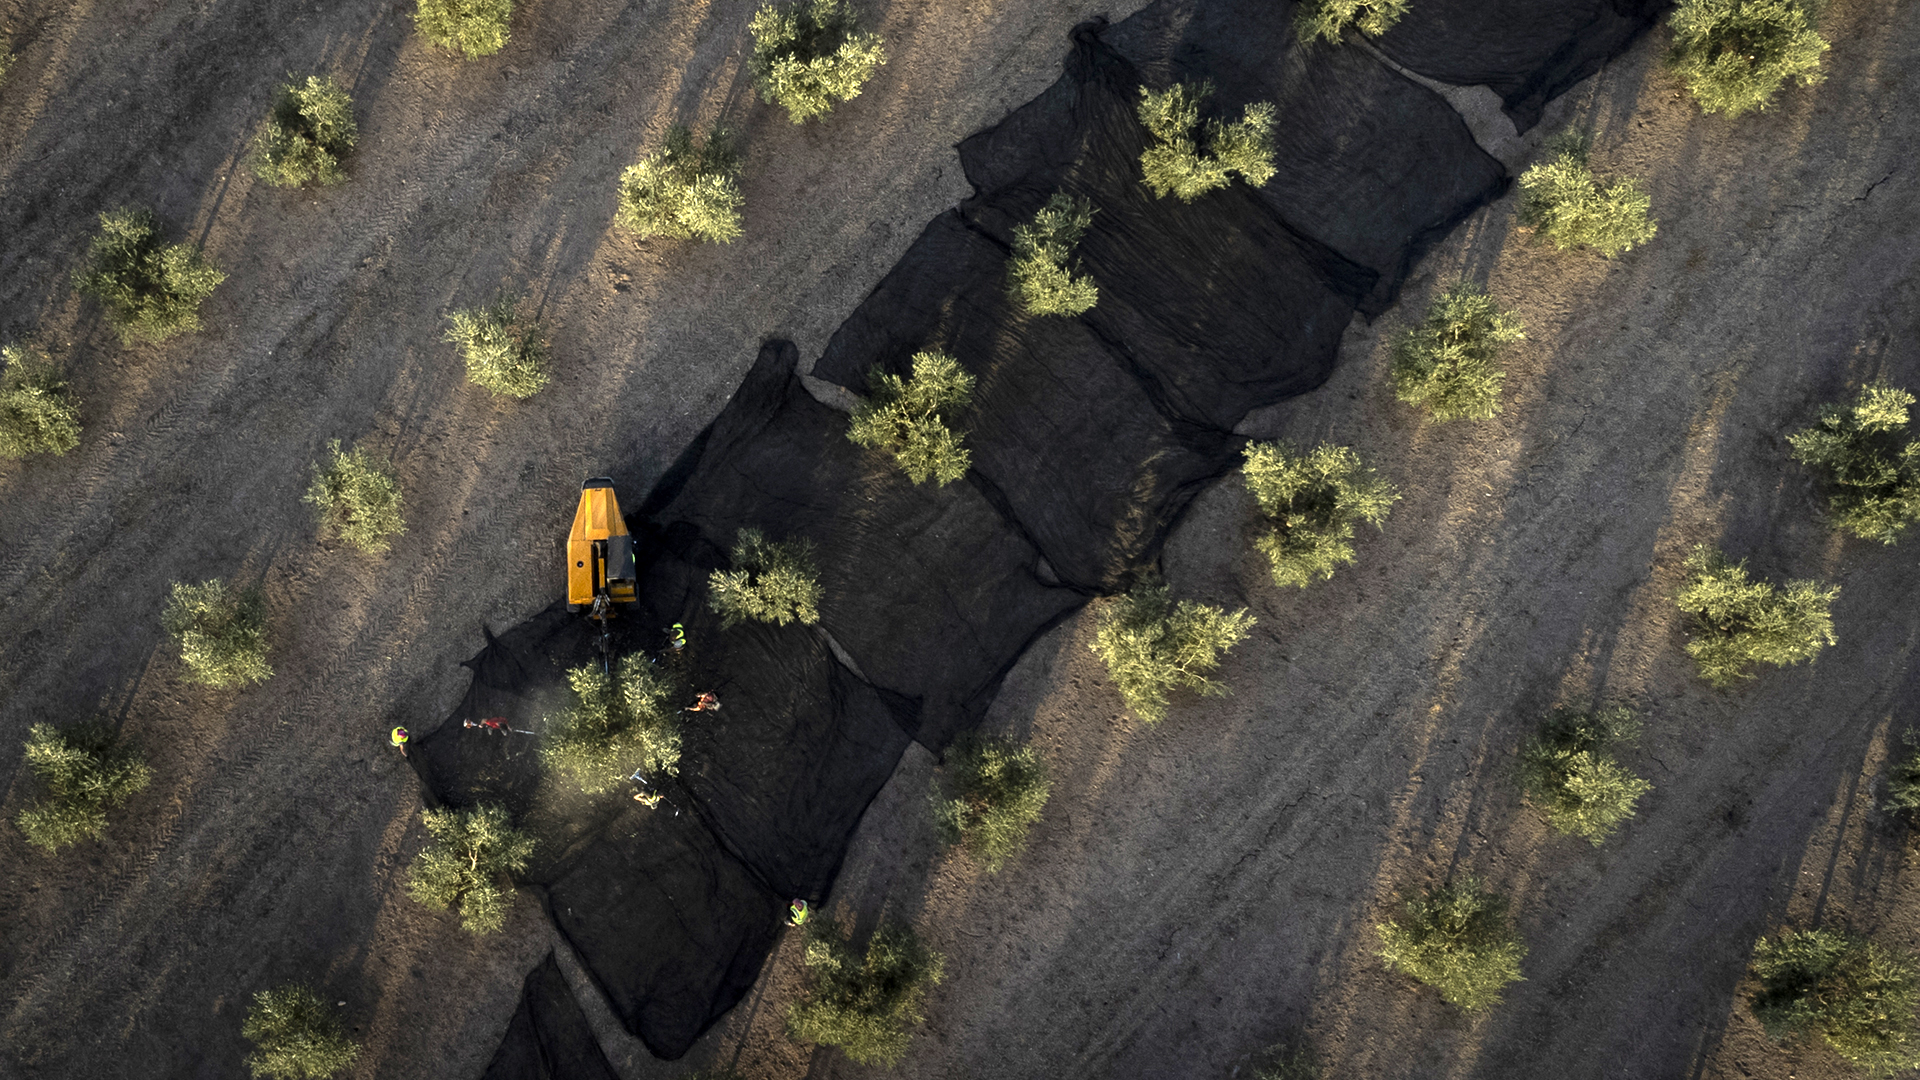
(505, 351)
(1567, 771)
(151, 290)
(811, 54)
(308, 134)
(1287, 1061)
(772, 581)
(222, 633)
(1153, 646)
(1563, 201)
(864, 1005)
(1038, 276)
(1328, 19)
(357, 499)
(1312, 502)
(613, 726)
(37, 414)
(1903, 784)
(6, 62)
(471, 850)
(298, 1037)
(1189, 159)
(683, 191)
(907, 418)
(473, 28)
(1737, 622)
(1854, 994)
(1872, 469)
(1450, 362)
(1456, 939)
(1734, 54)
(86, 772)
(994, 793)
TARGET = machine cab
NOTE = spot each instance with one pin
(599, 549)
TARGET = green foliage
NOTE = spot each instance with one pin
(683, 191)
(1872, 469)
(613, 726)
(1568, 772)
(1734, 54)
(1857, 996)
(1189, 159)
(907, 418)
(1456, 939)
(772, 581)
(1903, 784)
(471, 850)
(1737, 622)
(1038, 276)
(1328, 19)
(222, 632)
(308, 134)
(357, 498)
(1154, 646)
(473, 28)
(1287, 1061)
(1564, 202)
(1312, 502)
(86, 772)
(298, 1037)
(994, 793)
(151, 290)
(811, 54)
(505, 352)
(864, 1005)
(37, 414)
(1450, 362)
(6, 61)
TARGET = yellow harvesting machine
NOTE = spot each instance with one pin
(599, 552)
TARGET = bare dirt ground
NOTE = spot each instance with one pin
(1197, 889)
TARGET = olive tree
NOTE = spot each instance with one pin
(85, 771)
(151, 290)
(1871, 467)
(296, 1036)
(472, 851)
(810, 55)
(221, 631)
(615, 725)
(1903, 783)
(37, 413)
(993, 793)
(505, 351)
(1450, 363)
(1564, 202)
(1187, 159)
(1734, 55)
(1328, 19)
(1457, 939)
(864, 1004)
(909, 418)
(357, 498)
(1312, 502)
(308, 134)
(472, 28)
(683, 191)
(1857, 997)
(1737, 622)
(1570, 772)
(1038, 276)
(1154, 646)
(772, 581)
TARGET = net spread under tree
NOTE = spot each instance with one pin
(151, 290)
(357, 499)
(909, 418)
(85, 772)
(1458, 940)
(615, 725)
(810, 55)
(222, 632)
(1563, 201)
(993, 794)
(1039, 276)
(772, 581)
(1450, 363)
(1154, 646)
(1858, 997)
(1734, 55)
(308, 134)
(473, 28)
(1737, 622)
(37, 413)
(1871, 466)
(505, 351)
(471, 851)
(1312, 502)
(1569, 771)
(683, 191)
(1328, 19)
(865, 1005)
(1189, 158)
(297, 1037)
